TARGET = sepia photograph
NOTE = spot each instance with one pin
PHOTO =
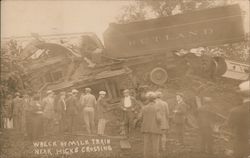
(125, 79)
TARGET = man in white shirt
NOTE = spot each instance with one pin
(130, 109)
(88, 102)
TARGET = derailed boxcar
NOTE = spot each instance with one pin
(133, 54)
(162, 35)
(148, 46)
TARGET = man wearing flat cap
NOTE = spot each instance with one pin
(71, 110)
(239, 121)
(17, 112)
(88, 102)
(102, 107)
(130, 108)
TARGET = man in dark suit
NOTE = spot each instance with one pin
(206, 118)
(152, 119)
(60, 109)
(71, 110)
(165, 113)
(17, 112)
(49, 112)
(239, 121)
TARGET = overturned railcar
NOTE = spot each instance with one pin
(149, 46)
(133, 54)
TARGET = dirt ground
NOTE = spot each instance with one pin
(14, 145)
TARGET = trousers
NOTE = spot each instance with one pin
(89, 119)
(17, 122)
(128, 122)
(151, 145)
(163, 141)
(241, 146)
(48, 125)
(101, 126)
(206, 139)
(180, 132)
(70, 120)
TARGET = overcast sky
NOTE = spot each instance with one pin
(20, 18)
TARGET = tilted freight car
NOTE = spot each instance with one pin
(133, 54)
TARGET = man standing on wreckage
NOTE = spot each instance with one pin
(239, 123)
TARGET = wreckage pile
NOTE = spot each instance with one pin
(224, 98)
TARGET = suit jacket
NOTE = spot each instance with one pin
(72, 104)
(151, 119)
(37, 107)
(164, 113)
(17, 106)
(60, 107)
(180, 112)
(239, 119)
(49, 109)
(102, 106)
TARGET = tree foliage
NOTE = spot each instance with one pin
(139, 10)
(132, 12)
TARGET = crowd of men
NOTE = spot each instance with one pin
(155, 124)
(28, 114)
